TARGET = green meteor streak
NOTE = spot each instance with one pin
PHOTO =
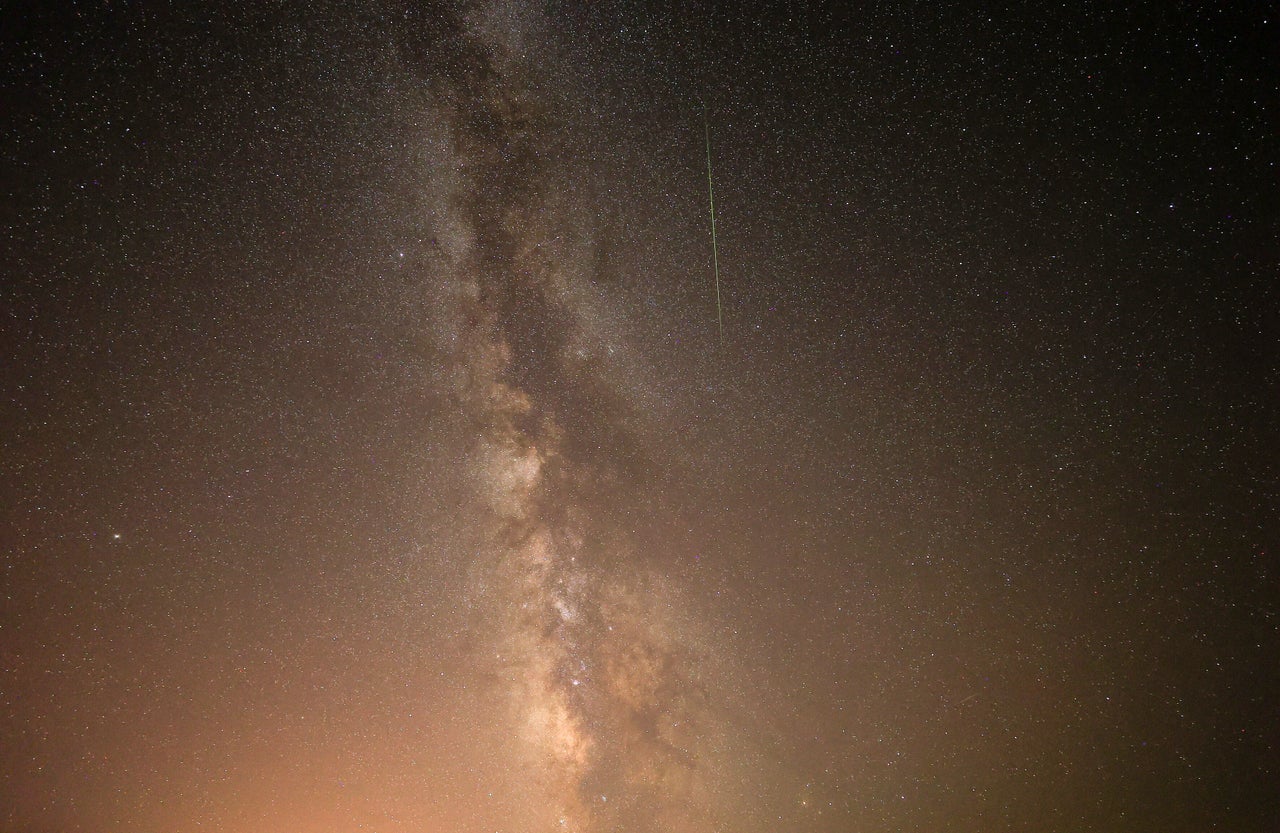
(715, 253)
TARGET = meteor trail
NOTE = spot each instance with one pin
(711, 196)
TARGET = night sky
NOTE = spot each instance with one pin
(370, 459)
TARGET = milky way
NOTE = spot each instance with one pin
(595, 652)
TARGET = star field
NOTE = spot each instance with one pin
(371, 460)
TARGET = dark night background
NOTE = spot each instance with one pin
(322, 324)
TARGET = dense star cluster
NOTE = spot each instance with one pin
(372, 458)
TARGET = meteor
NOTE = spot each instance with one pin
(711, 197)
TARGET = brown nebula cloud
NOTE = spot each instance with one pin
(580, 636)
